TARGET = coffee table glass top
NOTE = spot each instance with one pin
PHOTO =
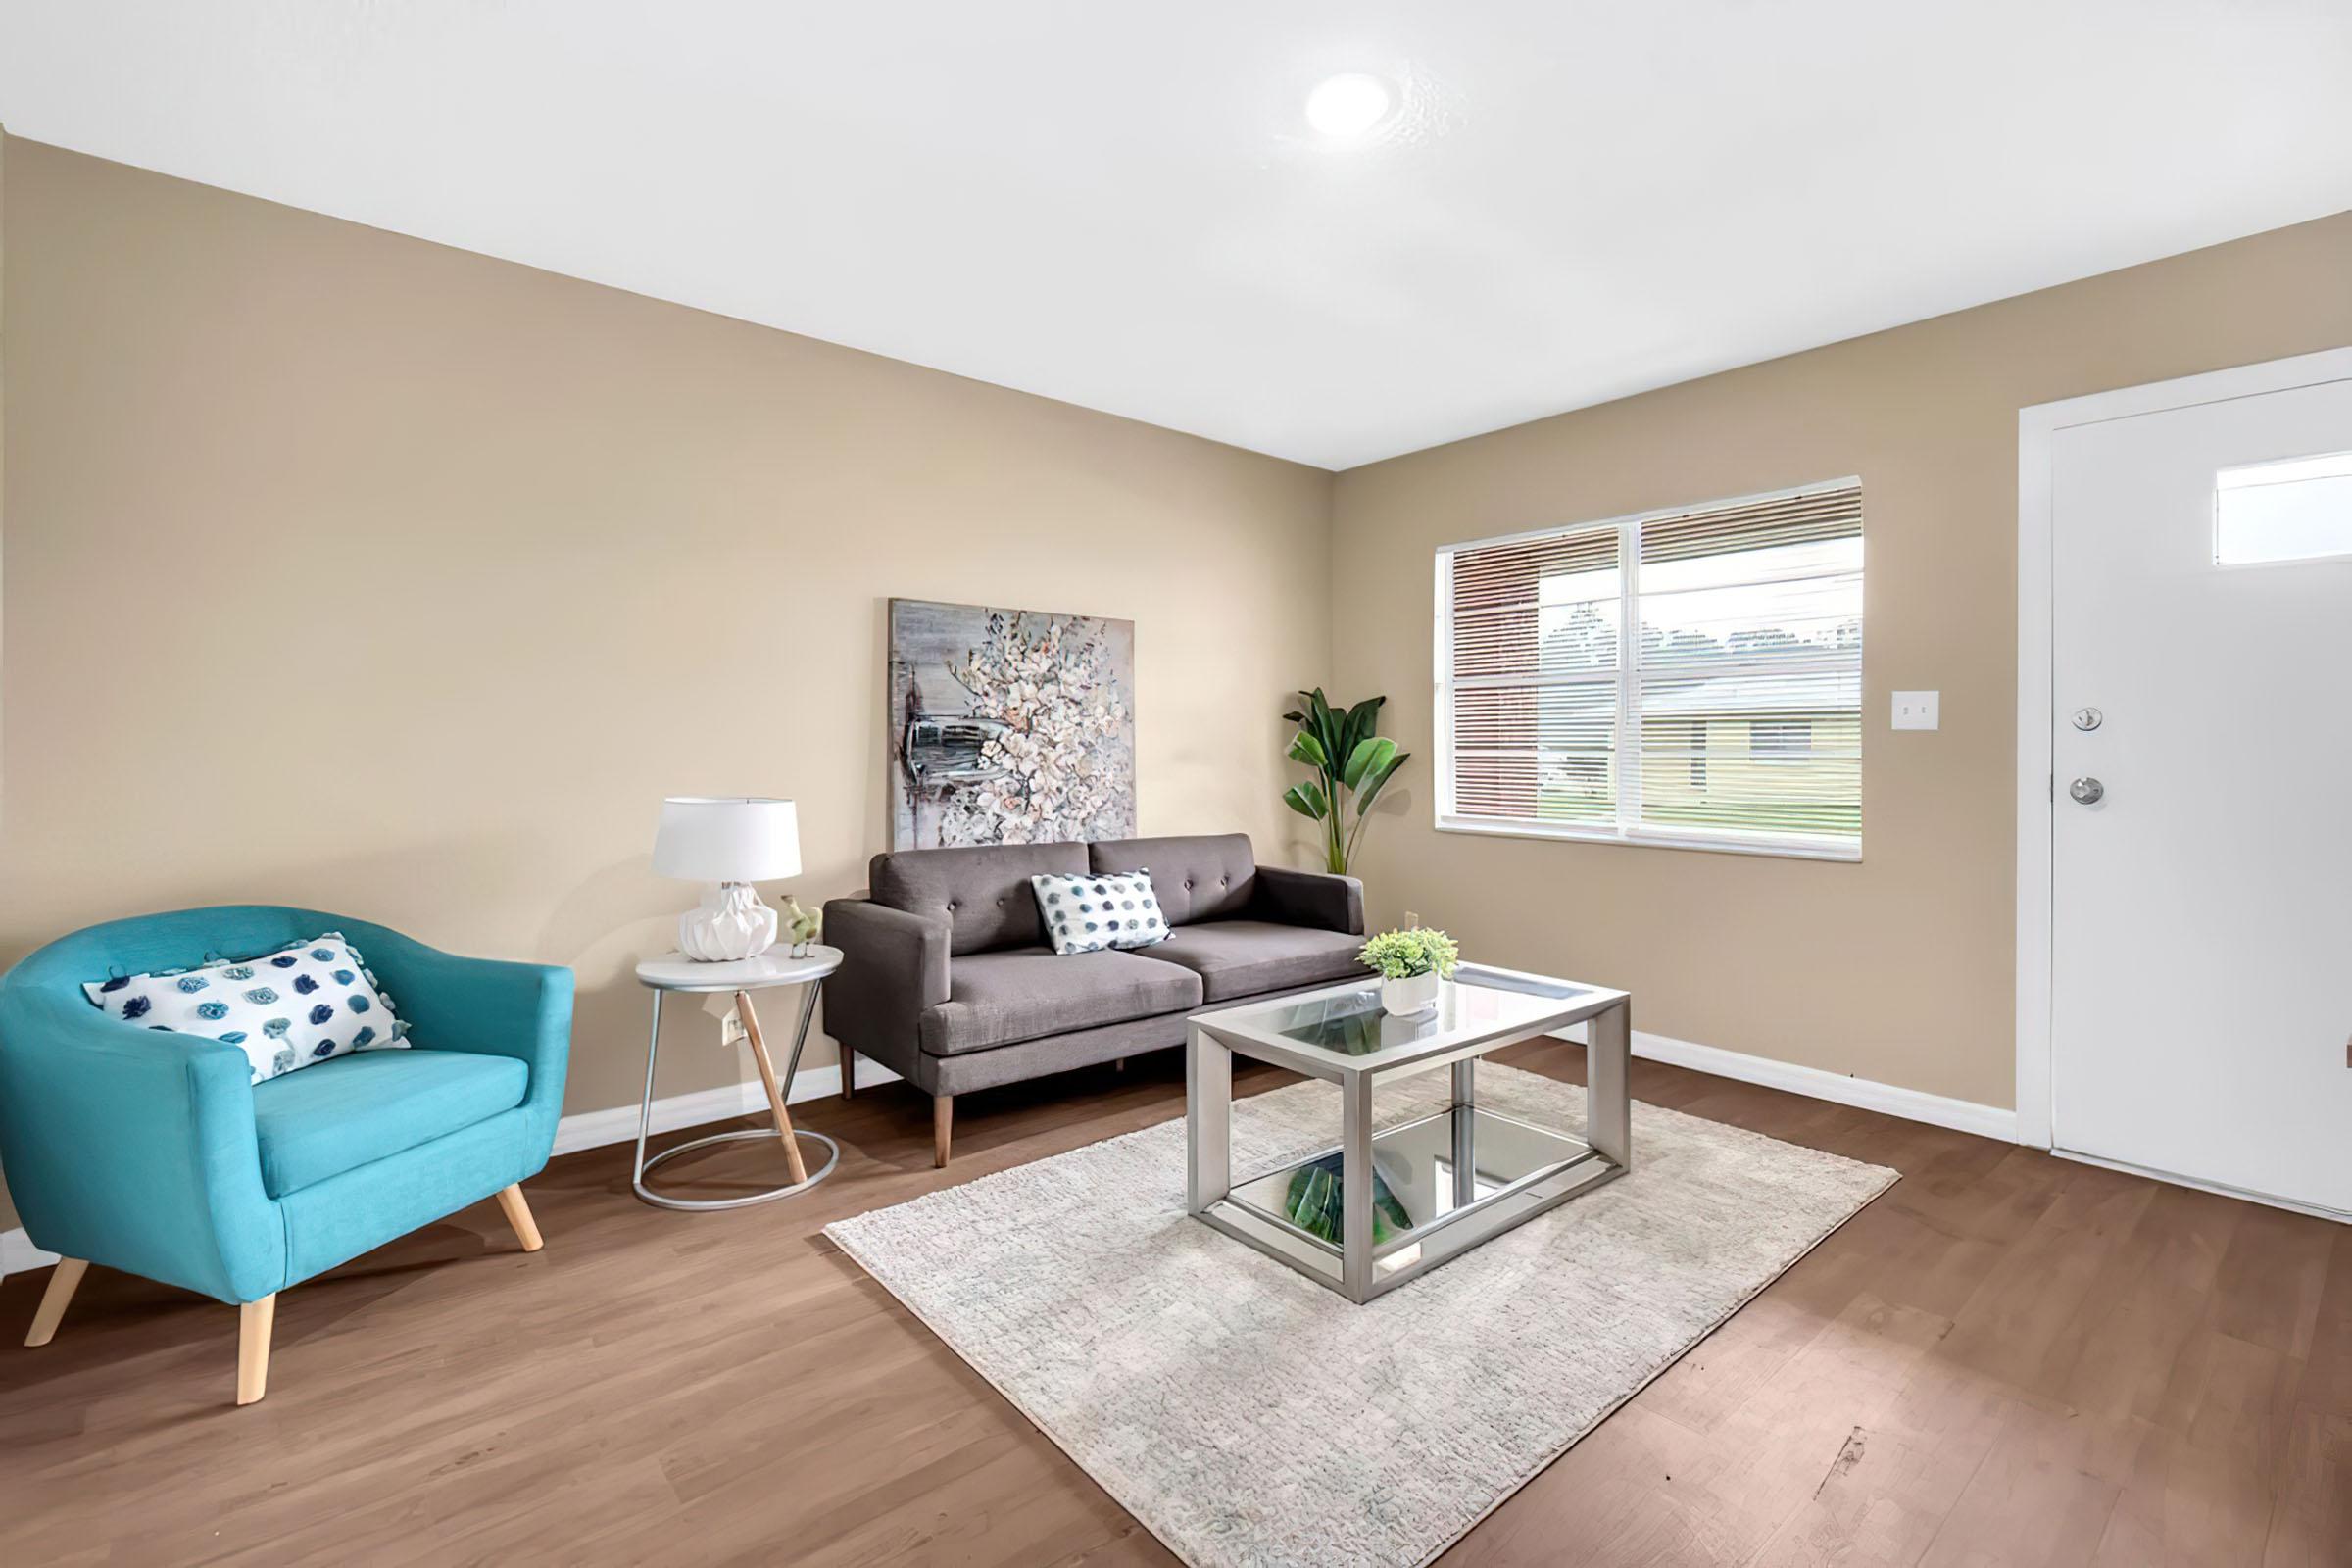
(1347, 1024)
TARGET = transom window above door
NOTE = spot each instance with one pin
(1690, 677)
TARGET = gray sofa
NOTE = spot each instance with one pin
(947, 978)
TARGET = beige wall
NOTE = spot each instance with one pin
(345, 570)
(349, 570)
(1900, 968)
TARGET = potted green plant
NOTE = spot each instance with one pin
(1348, 759)
(1410, 965)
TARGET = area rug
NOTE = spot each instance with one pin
(1251, 1418)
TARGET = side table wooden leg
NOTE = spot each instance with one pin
(775, 1091)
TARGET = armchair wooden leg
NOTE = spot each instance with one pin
(254, 1320)
(63, 1280)
(849, 1073)
(519, 1215)
(942, 1122)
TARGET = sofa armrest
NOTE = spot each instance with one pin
(134, 1148)
(1317, 899)
(489, 1006)
(894, 965)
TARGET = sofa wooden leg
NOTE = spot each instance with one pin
(942, 1122)
(519, 1215)
(254, 1320)
(63, 1280)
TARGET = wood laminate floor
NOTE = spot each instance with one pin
(2006, 1359)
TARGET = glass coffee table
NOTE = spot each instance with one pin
(1384, 1207)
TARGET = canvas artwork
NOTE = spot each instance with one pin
(1008, 726)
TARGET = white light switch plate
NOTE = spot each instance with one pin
(1915, 710)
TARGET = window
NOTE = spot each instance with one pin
(2297, 509)
(1595, 682)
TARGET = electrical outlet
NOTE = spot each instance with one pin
(1915, 710)
(730, 1028)
(1412, 921)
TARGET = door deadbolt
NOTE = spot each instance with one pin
(2086, 791)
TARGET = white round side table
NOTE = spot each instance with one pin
(675, 971)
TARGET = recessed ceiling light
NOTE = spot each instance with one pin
(1347, 106)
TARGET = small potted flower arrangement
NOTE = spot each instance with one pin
(1410, 965)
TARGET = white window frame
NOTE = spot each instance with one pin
(1628, 828)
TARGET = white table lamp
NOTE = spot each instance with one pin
(732, 840)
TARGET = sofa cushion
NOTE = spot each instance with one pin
(981, 891)
(1242, 957)
(1204, 877)
(358, 1107)
(995, 999)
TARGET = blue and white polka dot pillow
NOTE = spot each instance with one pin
(306, 1002)
(1088, 913)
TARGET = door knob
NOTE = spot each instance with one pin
(2086, 791)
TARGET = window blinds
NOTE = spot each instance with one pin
(1712, 694)
(1534, 662)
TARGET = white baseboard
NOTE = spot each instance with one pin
(17, 1254)
(592, 1129)
(1864, 1094)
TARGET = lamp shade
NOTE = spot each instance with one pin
(732, 838)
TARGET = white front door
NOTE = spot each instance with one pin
(2201, 913)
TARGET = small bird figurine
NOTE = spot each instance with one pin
(805, 925)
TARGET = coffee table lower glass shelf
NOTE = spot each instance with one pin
(1440, 1185)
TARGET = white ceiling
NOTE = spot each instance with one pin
(1119, 203)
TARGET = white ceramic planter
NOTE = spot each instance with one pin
(1413, 994)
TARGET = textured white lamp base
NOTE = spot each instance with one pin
(730, 923)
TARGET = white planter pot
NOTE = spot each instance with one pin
(1413, 994)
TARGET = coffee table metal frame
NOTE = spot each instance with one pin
(1356, 1268)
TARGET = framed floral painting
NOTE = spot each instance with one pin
(1008, 726)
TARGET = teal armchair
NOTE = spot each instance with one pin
(153, 1153)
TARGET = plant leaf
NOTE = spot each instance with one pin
(1305, 748)
(1307, 801)
(1369, 790)
(1367, 758)
(1326, 729)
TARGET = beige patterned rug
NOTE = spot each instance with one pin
(1251, 1418)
